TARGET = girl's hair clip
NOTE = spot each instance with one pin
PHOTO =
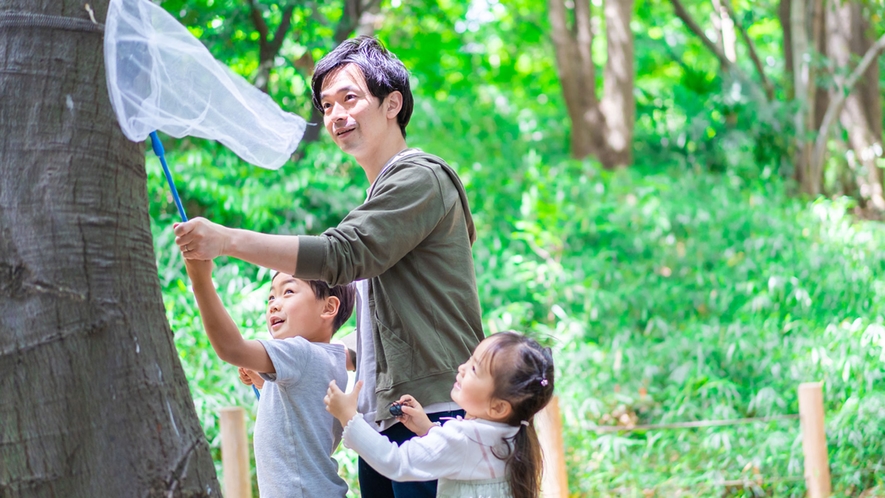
(544, 382)
(524, 422)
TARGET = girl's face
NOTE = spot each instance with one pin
(474, 386)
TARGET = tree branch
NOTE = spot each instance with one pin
(838, 103)
(692, 26)
(282, 29)
(258, 21)
(766, 84)
(353, 9)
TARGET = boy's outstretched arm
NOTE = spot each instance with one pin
(223, 333)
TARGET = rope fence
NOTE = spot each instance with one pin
(696, 424)
(814, 444)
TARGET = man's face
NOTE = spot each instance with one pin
(356, 120)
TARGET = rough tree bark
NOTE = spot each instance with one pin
(95, 402)
(603, 129)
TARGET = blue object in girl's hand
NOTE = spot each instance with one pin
(396, 409)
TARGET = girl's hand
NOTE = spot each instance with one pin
(342, 406)
(413, 416)
(250, 377)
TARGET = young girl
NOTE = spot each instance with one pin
(493, 452)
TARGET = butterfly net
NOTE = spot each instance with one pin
(160, 77)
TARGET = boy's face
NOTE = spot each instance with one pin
(294, 311)
(356, 120)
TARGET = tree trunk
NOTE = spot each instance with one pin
(724, 24)
(861, 115)
(618, 104)
(603, 129)
(805, 33)
(784, 15)
(267, 48)
(95, 402)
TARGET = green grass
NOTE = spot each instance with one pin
(679, 297)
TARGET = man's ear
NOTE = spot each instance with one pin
(499, 409)
(330, 309)
(394, 104)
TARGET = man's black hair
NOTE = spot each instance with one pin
(384, 73)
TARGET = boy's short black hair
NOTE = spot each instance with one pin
(383, 71)
(346, 295)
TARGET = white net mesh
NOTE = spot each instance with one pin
(162, 78)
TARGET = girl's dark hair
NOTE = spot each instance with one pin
(384, 73)
(523, 373)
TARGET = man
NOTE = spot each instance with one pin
(407, 247)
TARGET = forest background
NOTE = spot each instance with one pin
(683, 200)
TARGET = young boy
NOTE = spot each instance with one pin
(294, 435)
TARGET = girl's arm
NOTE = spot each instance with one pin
(221, 330)
(438, 454)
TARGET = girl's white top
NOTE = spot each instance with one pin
(459, 450)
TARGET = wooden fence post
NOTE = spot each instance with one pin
(814, 439)
(548, 422)
(235, 453)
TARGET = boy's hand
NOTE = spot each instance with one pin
(342, 406)
(250, 377)
(413, 416)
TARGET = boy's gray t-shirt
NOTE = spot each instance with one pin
(294, 435)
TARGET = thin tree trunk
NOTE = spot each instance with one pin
(804, 87)
(725, 25)
(577, 75)
(751, 48)
(618, 104)
(600, 128)
(685, 17)
(821, 93)
(95, 402)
